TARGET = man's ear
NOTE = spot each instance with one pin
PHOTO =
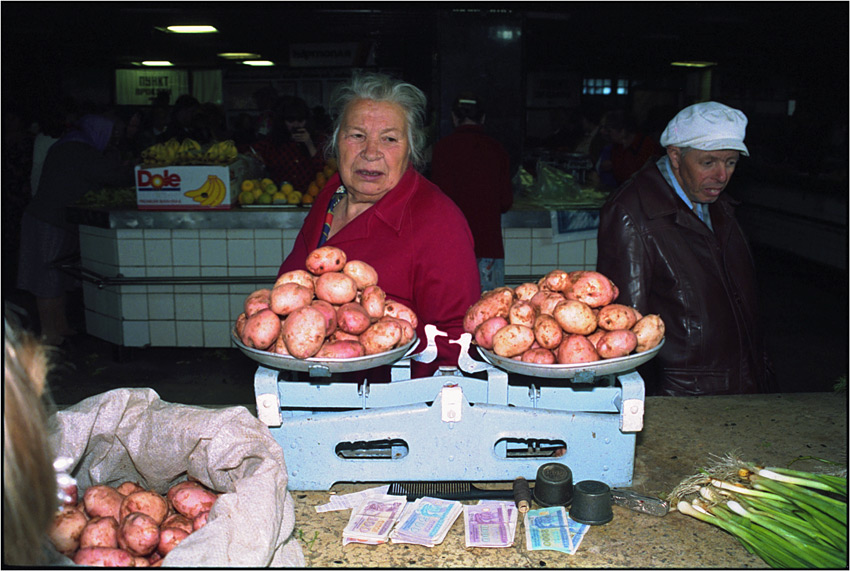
(675, 156)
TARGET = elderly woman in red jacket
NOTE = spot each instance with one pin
(379, 209)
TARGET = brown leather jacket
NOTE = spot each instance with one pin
(665, 260)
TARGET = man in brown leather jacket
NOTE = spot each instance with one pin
(669, 240)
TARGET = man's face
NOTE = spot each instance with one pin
(703, 175)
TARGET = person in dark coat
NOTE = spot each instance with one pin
(473, 169)
(668, 238)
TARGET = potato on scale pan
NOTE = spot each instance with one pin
(565, 318)
(332, 309)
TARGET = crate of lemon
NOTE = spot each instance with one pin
(264, 192)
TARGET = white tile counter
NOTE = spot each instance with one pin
(179, 279)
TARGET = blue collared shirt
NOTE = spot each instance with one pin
(701, 210)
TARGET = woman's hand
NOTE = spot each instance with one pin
(303, 136)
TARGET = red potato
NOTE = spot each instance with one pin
(127, 488)
(103, 557)
(325, 259)
(141, 562)
(556, 280)
(616, 316)
(336, 288)
(288, 297)
(66, 528)
(547, 332)
(100, 532)
(493, 303)
(179, 521)
(192, 501)
(279, 347)
(539, 356)
(200, 520)
(147, 502)
(575, 317)
(513, 340)
(329, 311)
(138, 534)
(594, 337)
(352, 318)
(362, 273)
(407, 330)
(300, 277)
(240, 324)
(522, 313)
(155, 559)
(340, 335)
(592, 288)
(103, 501)
(398, 310)
(380, 337)
(261, 329)
(526, 291)
(485, 332)
(169, 538)
(169, 495)
(373, 299)
(546, 301)
(257, 301)
(617, 343)
(303, 333)
(340, 350)
(649, 332)
(576, 349)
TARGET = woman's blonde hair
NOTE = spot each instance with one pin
(29, 479)
(380, 87)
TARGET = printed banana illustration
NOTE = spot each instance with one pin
(211, 193)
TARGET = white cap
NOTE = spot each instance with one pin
(709, 126)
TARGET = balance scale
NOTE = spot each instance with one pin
(490, 421)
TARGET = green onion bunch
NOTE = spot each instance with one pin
(792, 519)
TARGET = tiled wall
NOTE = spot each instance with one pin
(202, 315)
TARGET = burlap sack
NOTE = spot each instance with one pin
(131, 434)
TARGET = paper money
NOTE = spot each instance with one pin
(490, 524)
(427, 522)
(551, 528)
(352, 500)
(372, 521)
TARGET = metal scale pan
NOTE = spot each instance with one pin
(595, 368)
(331, 366)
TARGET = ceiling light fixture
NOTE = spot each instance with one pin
(693, 63)
(157, 63)
(238, 55)
(192, 29)
(258, 62)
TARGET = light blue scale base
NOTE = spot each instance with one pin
(451, 427)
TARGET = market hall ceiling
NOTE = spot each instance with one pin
(600, 35)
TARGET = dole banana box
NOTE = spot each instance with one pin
(178, 187)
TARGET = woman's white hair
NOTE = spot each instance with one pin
(380, 87)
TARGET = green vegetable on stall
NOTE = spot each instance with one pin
(789, 518)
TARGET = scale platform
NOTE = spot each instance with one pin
(483, 421)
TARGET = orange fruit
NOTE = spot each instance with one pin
(321, 179)
(313, 189)
(307, 199)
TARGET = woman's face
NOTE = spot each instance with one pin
(373, 148)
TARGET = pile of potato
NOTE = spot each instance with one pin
(333, 309)
(127, 525)
(564, 318)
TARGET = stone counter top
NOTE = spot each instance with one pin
(679, 436)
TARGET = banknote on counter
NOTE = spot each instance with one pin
(426, 521)
(373, 519)
(490, 524)
(551, 528)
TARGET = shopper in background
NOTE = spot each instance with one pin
(29, 480)
(292, 151)
(74, 165)
(631, 148)
(668, 238)
(473, 169)
(379, 209)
